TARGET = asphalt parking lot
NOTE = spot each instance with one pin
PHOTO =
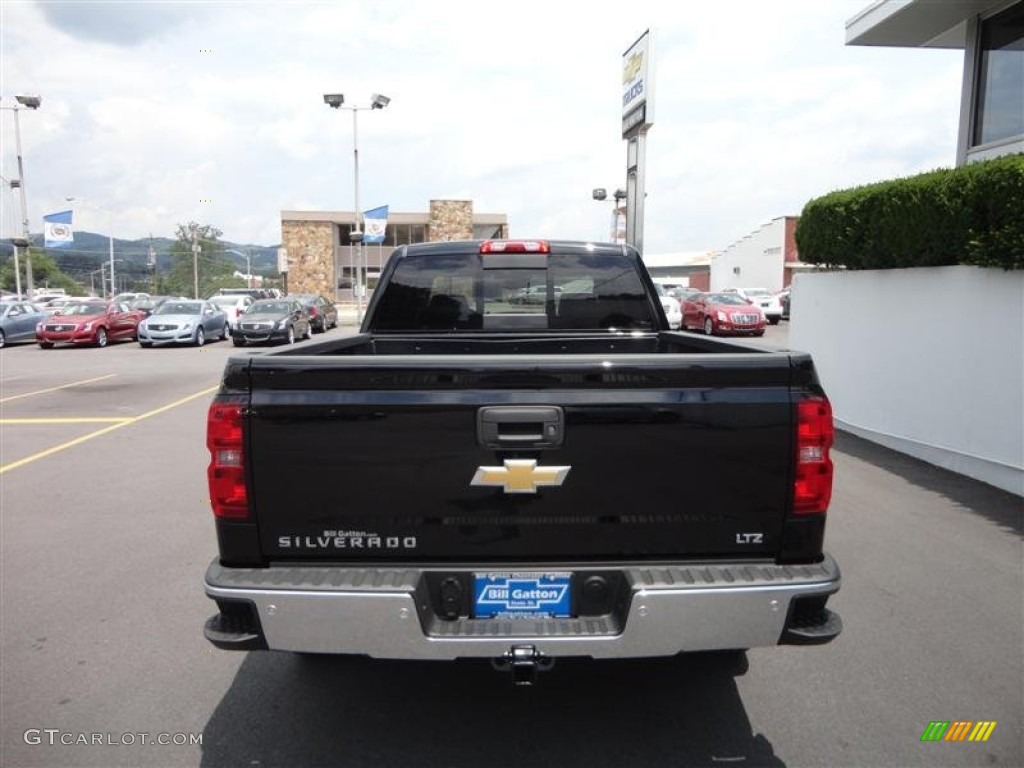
(106, 533)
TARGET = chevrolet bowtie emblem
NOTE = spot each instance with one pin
(632, 68)
(520, 476)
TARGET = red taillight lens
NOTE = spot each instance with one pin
(226, 473)
(812, 488)
(515, 246)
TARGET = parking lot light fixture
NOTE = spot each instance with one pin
(248, 265)
(23, 102)
(618, 212)
(337, 101)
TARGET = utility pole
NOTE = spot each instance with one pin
(152, 263)
(196, 248)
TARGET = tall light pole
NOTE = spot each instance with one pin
(196, 248)
(618, 212)
(248, 265)
(151, 263)
(92, 281)
(24, 102)
(337, 101)
(103, 277)
(110, 235)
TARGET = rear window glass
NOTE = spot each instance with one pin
(575, 291)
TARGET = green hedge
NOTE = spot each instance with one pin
(969, 215)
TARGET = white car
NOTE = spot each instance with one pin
(673, 309)
(763, 298)
(233, 305)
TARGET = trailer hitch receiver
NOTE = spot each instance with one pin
(524, 662)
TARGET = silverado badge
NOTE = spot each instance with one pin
(520, 476)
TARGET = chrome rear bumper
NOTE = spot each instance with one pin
(386, 613)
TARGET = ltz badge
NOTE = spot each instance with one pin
(520, 476)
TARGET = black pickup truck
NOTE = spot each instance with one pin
(515, 459)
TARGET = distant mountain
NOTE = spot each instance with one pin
(90, 248)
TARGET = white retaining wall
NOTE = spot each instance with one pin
(928, 361)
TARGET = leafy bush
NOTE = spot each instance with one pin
(969, 215)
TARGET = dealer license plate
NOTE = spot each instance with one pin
(522, 595)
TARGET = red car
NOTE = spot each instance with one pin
(722, 314)
(94, 322)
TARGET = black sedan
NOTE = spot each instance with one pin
(270, 320)
(323, 314)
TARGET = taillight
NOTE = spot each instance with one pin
(312, 311)
(812, 488)
(515, 246)
(226, 473)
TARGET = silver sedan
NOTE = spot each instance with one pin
(18, 320)
(183, 321)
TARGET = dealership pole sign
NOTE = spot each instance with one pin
(637, 87)
(637, 118)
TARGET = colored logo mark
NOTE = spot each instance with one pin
(958, 730)
(632, 68)
(520, 476)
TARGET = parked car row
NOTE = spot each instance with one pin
(763, 298)
(673, 307)
(784, 301)
(167, 320)
(94, 322)
(270, 320)
(323, 313)
(183, 321)
(723, 314)
(18, 320)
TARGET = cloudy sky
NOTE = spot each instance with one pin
(168, 112)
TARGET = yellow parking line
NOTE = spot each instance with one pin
(69, 420)
(54, 389)
(105, 430)
(176, 403)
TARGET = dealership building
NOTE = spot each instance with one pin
(766, 258)
(991, 35)
(321, 257)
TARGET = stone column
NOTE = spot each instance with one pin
(310, 247)
(450, 220)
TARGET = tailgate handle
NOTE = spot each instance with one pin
(521, 427)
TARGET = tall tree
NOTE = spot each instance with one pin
(210, 266)
(45, 274)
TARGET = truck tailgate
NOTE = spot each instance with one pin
(375, 459)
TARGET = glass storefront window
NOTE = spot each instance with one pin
(1000, 112)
